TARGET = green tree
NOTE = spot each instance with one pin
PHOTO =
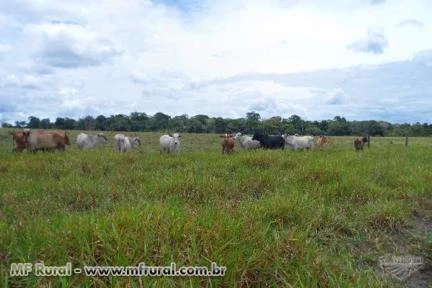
(45, 123)
(34, 122)
(101, 123)
(252, 122)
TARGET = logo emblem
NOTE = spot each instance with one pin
(400, 267)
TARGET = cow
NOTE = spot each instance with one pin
(359, 143)
(270, 141)
(33, 141)
(322, 141)
(246, 142)
(299, 142)
(227, 143)
(170, 143)
(18, 140)
(85, 141)
(125, 144)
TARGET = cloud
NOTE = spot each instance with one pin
(335, 96)
(374, 43)
(411, 22)
(220, 58)
(5, 48)
(62, 45)
(423, 57)
(375, 2)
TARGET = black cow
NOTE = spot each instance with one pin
(270, 141)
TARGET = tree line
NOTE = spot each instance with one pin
(160, 122)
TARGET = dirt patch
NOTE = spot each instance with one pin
(415, 239)
(422, 227)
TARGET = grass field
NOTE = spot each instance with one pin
(273, 218)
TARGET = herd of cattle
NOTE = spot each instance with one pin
(51, 140)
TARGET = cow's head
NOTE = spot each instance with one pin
(257, 136)
(20, 139)
(136, 141)
(176, 139)
(227, 138)
(102, 137)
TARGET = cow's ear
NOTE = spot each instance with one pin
(169, 134)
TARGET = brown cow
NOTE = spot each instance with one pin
(322, 141)
(227, 143)
(18, 140)
(359, 143)
(40, 140)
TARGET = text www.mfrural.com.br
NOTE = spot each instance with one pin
(141, 270)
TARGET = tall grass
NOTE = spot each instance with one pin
(273, 218)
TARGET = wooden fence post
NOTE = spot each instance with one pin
(406, 141)
(368, 137)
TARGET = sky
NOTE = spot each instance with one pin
(359, 59)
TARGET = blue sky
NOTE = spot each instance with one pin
(361, 59)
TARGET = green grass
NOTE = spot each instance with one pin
(273, 218)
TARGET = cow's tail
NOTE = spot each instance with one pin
(13, 142)
(67, 142)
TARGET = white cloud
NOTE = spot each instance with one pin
(219, 57)
(70, 46)
(5, 48)
(374, 43)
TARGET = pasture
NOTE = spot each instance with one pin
(273, 218)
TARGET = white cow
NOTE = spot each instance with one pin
(125, 143)
(246, 141)
(170, 143)
(299, 142)
(85, 141)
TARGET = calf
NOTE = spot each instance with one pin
(170, 143)
(85, 141)
(359, 143)
(125, 143)
(270, 141)
(227, 143)
(322, 142)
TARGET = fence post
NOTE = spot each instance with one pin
(406, 141)
(368, 141)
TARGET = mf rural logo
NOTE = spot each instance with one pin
(400, 267)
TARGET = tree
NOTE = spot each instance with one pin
(59, 123)
(179, 123)
(298, 123)
(45, 123)
(69, 124)
(273, 125)
(34, 122)
(339, 127)
(87, 123)
(220, 125)
(119, 122)
(101, 123)
(20, 124)
(160, 121)
(139, 121)
(252, 121)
